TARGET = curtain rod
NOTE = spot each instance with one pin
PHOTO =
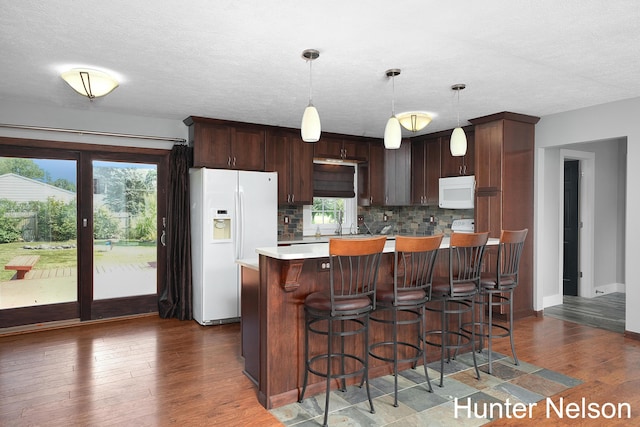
(92, 132)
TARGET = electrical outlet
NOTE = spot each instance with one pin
(385, 218)
(360, 219)
(286, 219)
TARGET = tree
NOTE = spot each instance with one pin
(23, 167)
(126, 188)
(65, 184)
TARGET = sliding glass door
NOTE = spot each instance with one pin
(38, 235)
(80, 233)
(125, 234)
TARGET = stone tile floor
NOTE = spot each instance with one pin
(524, 383)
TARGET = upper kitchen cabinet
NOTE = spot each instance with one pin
(425, 170)
(371, 178)
(292, 158)
(460, 165)
(333, 146)
(220, 144)
(397, 174)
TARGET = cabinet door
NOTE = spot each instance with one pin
(212, 146)
(418, 172)
(280, 161)
(329, 147)
(352, 150)
(248, 149)
(301, 158)
(489, 146)
(432, 173)
(488, 212)
(398, 175)
(376, 173)
(459, 165)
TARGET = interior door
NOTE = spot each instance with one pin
(571, 228)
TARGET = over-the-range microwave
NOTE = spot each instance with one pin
(457, 192)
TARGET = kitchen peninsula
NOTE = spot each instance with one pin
(273, 294)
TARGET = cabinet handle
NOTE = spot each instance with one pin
(229, 161)
(288, 198)
(234, 161)
(465, 169)
(293, 198)
(371, 199)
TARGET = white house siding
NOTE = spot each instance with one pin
(20, 189)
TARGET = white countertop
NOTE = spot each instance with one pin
(325, 239)
(321, 250)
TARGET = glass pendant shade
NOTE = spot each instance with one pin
(414, 121)
(310, 127)
(89, 83)
(392, 134)
(458, 144)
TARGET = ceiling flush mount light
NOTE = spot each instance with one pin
(90, 83)
(458, 143)
(414, 121)
(393, 132)
(310, 127)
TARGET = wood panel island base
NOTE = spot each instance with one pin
(273, 318)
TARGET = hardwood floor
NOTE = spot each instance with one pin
(605, 311)
(153, 372)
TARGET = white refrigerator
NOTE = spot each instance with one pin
(232, 214)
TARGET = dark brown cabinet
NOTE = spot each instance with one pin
(371, 182)
(397, 175)
(460, 165)
(425, 171)
(331, 146)
(226, 145)
(292, 158)
(504, 162)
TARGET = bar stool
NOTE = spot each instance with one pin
(343, 311)
(456, 294)
(496, 289)
(414, 260)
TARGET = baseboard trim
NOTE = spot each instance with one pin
(632, 335)
(552, 300)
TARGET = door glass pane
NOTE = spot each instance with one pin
(38, 232)
(124, 229)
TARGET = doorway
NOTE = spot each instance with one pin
(571, 226)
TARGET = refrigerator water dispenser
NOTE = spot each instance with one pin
(221, 227)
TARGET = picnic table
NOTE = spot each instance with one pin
(22, 264)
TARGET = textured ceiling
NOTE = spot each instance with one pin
(241, 60)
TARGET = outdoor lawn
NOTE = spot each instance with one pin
(119, 252)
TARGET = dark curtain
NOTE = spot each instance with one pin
(175, 300)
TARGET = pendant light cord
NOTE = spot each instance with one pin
(458, 107)
(393, 97)
(310, 80)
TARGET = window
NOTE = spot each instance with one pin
(331, 215)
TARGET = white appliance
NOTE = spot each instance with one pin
(464, 225)
(232, 214)
(457, 192)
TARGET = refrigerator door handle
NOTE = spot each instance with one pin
(239, 224)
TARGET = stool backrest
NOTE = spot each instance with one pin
(354, 265)
(466, 252)
(414, 261)
(509, 252)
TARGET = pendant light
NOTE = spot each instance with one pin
(458, 143)
(393, 132)
(310, 127)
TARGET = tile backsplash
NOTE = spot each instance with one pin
(406, 220)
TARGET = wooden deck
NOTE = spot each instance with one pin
(100, 269)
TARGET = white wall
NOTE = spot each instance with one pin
(609, 124)
(92, 119)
